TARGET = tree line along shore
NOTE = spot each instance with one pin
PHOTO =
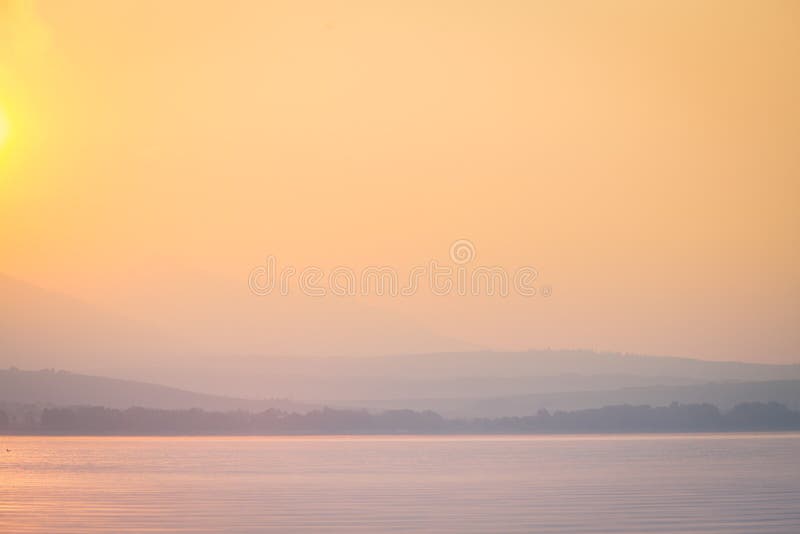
(95, 420)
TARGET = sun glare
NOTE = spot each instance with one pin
(5, 128)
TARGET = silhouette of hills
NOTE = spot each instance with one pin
(725, 395)
(61, 388)
(233, 348)
(459, 375)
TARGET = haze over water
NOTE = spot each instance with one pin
(735, 483)
(270, 217)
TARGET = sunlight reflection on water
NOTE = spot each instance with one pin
(708, 483)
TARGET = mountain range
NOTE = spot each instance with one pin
(227, 356)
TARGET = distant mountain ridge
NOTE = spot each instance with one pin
(724, 395)
(43, 329)
(62, 388)
(466, 374)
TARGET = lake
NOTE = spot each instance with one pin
(562, 484)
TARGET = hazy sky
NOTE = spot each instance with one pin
(643, 156)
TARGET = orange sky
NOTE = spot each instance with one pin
(643, 156)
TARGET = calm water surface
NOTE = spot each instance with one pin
(570, 484)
